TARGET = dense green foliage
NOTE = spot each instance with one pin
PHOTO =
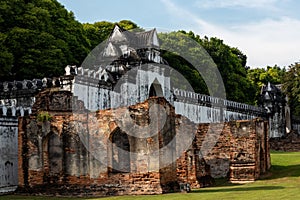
(40, 37)
(184, 55)
(99, 31)
(261, 76)
(292, 88)
(231, 63)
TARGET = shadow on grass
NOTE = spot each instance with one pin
(279, 171)
(239, 189)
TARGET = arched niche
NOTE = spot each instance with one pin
(119, 152)
(51, 156)
(55, 154)
(155, 89)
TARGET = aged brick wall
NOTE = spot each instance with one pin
(103, 153)
(240, 152)
(190, 167)
(290, 142)
(81, 153)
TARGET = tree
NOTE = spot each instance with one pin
(231, 63)
(291, 87)
(99, 31)
(128, 25)
(181, 53)
(6, 58)
(39, 38)
(261, 76)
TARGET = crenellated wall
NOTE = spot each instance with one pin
(18, 97)
(97, 93)
(135, 87)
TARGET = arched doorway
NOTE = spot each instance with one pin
(155, 89)
(120, 152)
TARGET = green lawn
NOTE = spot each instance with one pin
(284, 183)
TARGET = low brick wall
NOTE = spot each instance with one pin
(116, 184)
(289, 143)
(236, 150)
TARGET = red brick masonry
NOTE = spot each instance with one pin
(75, 152)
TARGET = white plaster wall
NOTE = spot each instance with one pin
(8, 154)
(131, 93)
(203, 114)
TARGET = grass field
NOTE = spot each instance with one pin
(283, 183)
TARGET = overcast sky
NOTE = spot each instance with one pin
(267, 31)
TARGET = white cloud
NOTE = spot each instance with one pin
(265, 42)
(236, 3)
(268, 42)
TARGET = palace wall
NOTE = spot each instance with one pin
(103, 153)
(87, 151)
(8, 154)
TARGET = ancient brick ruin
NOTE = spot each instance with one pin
(74, 152)
(87, 132)
(289, 143)
(241, 153)
(56, 155)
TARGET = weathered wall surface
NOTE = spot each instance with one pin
(108, 161)
(135, 87)
(132, 88)
(106, 153)
(241, 152)
(8, 154)
(237, 150)
(289, 143)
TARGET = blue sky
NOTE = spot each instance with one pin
(267, 31)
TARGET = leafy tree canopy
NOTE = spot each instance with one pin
(39, 38)
(99, 31)
(231, 63)
(291, 87)
(261, 76)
